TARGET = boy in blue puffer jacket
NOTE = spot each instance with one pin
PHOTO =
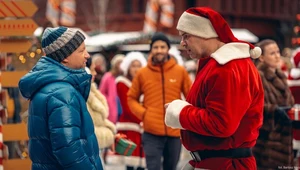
(60, 128)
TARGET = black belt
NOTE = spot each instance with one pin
(230, 153)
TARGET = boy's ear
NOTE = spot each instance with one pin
(64, 61)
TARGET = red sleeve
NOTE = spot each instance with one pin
(122, 90)
(228, 99)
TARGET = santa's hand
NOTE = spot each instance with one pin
(173, 110)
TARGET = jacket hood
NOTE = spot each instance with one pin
(166, 66)
(48, 71)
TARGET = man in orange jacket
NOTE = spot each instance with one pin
(161, 81)
(221, 118)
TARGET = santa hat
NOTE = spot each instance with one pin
(295, 72)
(296, 59)
(207, 23)
(129, 58)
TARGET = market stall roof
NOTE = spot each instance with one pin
(102, 41)
(105, 40)
(245, 35)
(240, 33)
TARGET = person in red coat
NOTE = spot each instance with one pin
(129, 124)
(294, 76)
(223, 112)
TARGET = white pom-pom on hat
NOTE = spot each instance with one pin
(255, 52)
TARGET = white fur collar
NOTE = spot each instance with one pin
(230, 52)
(124, 80)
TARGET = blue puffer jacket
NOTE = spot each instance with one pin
(60, 129)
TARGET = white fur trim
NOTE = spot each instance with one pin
(127, 82)
(292, 83)
(126, 160)
(295, 73)
(255, 52)
(135, 161)
(97, 103)
(231, 51)
(115, 159)
(196, 25)
(105, 137)
(122, 79)
(87, 70)
(129, 58)
(296, 144)
(172, 113)
(129, 126)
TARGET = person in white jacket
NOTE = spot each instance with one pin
(97, 105)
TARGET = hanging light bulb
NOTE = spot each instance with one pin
(38, 51)
(23, 61)
(32, 54)
(298, 17)
(21, 57)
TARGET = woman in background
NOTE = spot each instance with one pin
(274, 144)
(108, 89)
(128, 124)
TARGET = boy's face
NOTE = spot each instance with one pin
(77, 60)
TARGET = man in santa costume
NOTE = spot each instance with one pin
(221, 117)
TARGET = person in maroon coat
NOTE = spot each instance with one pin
(223, 112)
(294, 77)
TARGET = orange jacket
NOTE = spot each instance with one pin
(159, 85)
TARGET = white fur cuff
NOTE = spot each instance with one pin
(172, 113)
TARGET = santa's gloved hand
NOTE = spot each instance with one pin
(173, 110)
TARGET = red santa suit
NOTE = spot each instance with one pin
(294, 85)
(294, 77)
(128, 123)
(224, 108)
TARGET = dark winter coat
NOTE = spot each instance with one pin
(274, 144)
